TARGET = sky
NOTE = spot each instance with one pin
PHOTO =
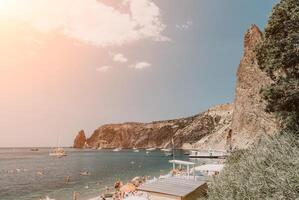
(67, 65)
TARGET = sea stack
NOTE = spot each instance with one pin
(80, 140)
(249, 118)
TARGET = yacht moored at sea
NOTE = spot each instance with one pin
(58, 152)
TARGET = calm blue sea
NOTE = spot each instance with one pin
(19, 167)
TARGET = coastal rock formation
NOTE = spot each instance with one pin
(249, 118)
(80, 140)
(235, 125)
(184, 131)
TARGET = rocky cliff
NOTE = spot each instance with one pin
(249, 119)
(80, 140)
(238, 124)
(160, 133)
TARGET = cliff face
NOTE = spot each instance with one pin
(185, 131)
(237, 125)
(249, 119)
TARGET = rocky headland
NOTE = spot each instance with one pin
(236, 125)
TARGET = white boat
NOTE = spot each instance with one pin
(48, 198)
(208, 154)
(85, 173)
(151, 149)
(166, 150)
(117, 149)
(168, 154)
(58, 152)
(136, 150)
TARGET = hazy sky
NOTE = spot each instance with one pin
(67, 65)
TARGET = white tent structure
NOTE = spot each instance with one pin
(209, 168)
(185, 163)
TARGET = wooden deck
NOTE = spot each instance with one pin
(174, 186)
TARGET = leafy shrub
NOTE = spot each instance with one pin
(278, 56)
(268, 170)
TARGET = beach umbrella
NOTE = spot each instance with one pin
(128, 188)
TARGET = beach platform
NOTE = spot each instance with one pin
(175, 188)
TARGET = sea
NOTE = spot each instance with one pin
(34, 175)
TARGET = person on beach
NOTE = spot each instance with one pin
(117, 185)
(107, 189)
(75, 196)
(102, 197)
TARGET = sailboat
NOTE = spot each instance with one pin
(58, 152)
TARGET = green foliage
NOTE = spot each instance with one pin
(278, 56)
(269, 170)
(235, 156)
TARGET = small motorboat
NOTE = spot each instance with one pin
(168, 154)
(151, 149)
(135, 150)
(85, 173)
(107, 195)
(166, 150)
(47, 198)
(34, 149)
(117, 149)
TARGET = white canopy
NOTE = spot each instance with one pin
(210, 167)
(181, 162)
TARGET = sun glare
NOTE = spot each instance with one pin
(3, 7)
(3, 3)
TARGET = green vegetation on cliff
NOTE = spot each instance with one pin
(278, 56)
